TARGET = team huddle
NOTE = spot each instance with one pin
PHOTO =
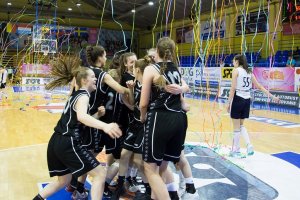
(136, 112)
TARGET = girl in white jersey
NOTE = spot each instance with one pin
(239, 102)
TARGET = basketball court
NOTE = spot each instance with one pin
(207, 34)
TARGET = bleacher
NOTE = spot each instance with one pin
(253, 59)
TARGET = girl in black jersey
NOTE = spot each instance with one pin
(164, 122)
(65, 154)
(96, 57)
(133, 142)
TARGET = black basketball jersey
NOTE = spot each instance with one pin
(160, 99)
(99, 95)
(137, 97)
(126, 77)
(127, 114)
(113, 107)
(68, 123)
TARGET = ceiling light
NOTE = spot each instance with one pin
(70, 9)
(9, 4)
(78, 4)
(150, 3)
(133, 10)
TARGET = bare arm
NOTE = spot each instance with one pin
(235, 74)
(177, 89)
(149, 74)
(115, 85)
(81, 107)
(260, 87)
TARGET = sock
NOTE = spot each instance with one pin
(189, 180)
(106, 186)
(73, 182)
(171, 187)
(80, 187)
(128, 172)
(245, 135)
(133, 172)
(128, 179)
(121, 180)
(190, 188)
(148, 188)
(173, 195)
(38, 197)
(236, 141)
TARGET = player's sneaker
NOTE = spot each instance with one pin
(79, 196)
(131, 187)
(250, 150)
(142, 196)
(70, 188)
(236, 154)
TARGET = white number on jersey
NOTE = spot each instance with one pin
(174, 76)
(246, 81)
(108, 105)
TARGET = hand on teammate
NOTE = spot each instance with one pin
(113, 130)
(130, 84)
(173, 89)
(101, 111)
(143, 118)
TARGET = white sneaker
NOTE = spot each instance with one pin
(189, 196)
(236, 154)
(250, 150)
(79, 196)
(131, 187)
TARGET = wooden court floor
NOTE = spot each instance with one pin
(25, 131)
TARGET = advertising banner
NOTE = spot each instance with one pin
(211, 30)
(280, 79)
(297, 80)
(35, 80)
(286, 98)
(35, 69)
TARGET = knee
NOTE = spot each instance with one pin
(98, 173)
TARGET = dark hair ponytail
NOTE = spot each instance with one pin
(166, 51)
(92, 54)
(243, 62)
(63, 69)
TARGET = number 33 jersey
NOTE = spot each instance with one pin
(162, 100)
(244, 83)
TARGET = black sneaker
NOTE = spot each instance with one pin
(142, 196)
(107, 194)
(120, 191)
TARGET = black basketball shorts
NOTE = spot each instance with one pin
(240, 108)
(164, 136)
(134, 137)
(66, 155)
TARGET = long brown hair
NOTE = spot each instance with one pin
(123, 61)
(63, 69)
(243, 62)
(166, 51)
(92, 54)
(143, 63)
